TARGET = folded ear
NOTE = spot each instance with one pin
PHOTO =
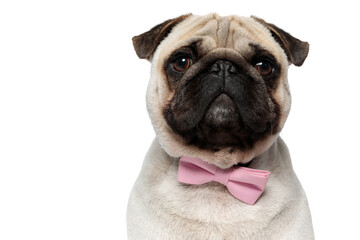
(146, 43)
(295, 49)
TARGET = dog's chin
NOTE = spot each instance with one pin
(221, 125)
(222, 114)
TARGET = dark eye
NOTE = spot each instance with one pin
(182, 64)
(265, 68)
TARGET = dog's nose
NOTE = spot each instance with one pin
(223, 68)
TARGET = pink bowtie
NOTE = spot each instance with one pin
(245, 184)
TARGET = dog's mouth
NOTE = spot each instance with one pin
(222, 113)
(221, 126)
(224, 122)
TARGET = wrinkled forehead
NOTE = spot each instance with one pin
(213, 31)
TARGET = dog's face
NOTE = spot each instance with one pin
(218, 88)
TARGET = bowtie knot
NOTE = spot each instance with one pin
(222, 175)
(245, 184)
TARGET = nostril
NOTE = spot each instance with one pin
(215, 68)
(232, 69)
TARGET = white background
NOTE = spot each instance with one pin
(74, 128)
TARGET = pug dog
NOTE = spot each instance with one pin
(218, 97)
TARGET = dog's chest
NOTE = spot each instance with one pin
(207, 211)
(162, 208)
